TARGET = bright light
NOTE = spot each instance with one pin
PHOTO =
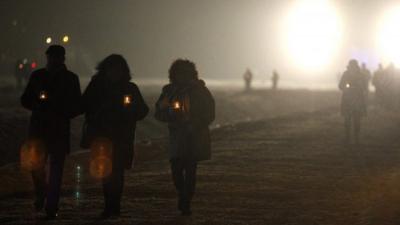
(65, 39)
(389, 36)
(48, 40)
(313, 34)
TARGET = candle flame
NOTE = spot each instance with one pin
(177, 105)
(127, 99)
(43, 95)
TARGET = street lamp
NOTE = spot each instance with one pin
(48, 40)
(65, 39)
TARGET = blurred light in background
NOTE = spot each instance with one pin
(65, 39)
(48, 40)
(389, 36)
(313, 33)
(101, 158)
(32, 155)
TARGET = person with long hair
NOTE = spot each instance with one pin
(112, 106)
(189, 108)
(354, 86)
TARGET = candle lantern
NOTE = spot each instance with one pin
(127, 100)
(177, 105)
(43, 95)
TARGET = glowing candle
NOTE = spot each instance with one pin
(347, 85)
(127, 100)
(177, 105)
(43, 95)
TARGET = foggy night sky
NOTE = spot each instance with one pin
(222, 36)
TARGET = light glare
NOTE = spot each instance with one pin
(313, 34)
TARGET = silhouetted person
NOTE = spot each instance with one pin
(275, 80)
(367, 74)
(112, 106)
(53, 95)
(354, 88)
(188, 107)
(379, 80)
(248, 77)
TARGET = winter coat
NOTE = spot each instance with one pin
(354, 86)
(107, 116)
(54, 98)
(189, 134)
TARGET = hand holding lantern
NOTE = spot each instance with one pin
(43, 96)
(127, 100)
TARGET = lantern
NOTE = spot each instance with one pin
(127, 100)
(32, 155)
(43, 95)
(177, 105)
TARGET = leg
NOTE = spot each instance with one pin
(357, 127)
(190, 182)
(39, 182)
(54, 183)
(117, 188)
(112, 189)
(178, 179)
(347, 127)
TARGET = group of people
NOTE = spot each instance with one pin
(387, 86)
(248, 78)
(112, 105)
(355, 83)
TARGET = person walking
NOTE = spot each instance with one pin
(53, 96)
(189, 108)
(353, 85)
(112, 105)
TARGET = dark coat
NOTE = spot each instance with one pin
(50, 119)
(108, 117)
(354, 86)
(189, 134)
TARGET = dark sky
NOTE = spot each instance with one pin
(222, 36)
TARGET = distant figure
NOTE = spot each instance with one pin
(378, 81)
(112, 106)
(367, 74)
(188, 107)
(53, 95)
(248, 77)
(275, 80)
(19, 74)
(354, 88)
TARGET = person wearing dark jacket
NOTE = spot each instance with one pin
(53, 95)
(354, 86)
(112, 106)
(189, 108)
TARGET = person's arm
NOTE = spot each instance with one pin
(162, 106)
(342, 83)
(202, 111)
(75, 98)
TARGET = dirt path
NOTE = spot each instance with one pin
(289, 170)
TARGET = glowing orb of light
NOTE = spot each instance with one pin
(32, 155)
(48, 40)
(388, 39)
(313, 34)
(101, 158)
(65, 39)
